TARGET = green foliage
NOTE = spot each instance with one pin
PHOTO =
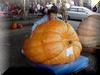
(99, 3)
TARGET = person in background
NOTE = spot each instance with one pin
(94, 8)
(42, 10)
(38, 7)
(49, 5)
(30, 9)
(63, 11)
(45, 10)
(59, 4)
(81, 63)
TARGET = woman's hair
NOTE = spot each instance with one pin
(53, 9)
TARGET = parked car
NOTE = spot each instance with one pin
(79, 12)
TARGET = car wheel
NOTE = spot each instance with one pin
(68, 17)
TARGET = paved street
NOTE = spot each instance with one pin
(4, 52)
(11, 43)
(74, 23)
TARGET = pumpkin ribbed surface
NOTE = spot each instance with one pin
(89, 32)
(53, 42)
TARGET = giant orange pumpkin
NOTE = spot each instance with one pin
(89, 32)
(53, 42)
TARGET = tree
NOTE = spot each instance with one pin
(99, 3)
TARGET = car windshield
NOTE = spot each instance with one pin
(73, 9)
(87, 10)
(82, 9)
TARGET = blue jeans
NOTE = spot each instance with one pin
(80, 63)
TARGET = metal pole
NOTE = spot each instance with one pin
(24, 8)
